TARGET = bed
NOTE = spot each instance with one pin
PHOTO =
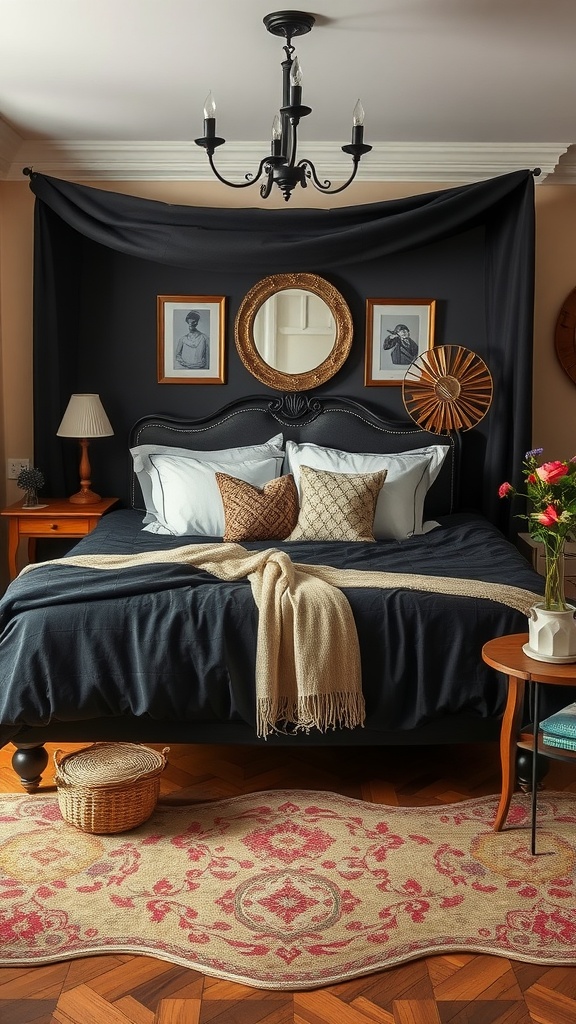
(166, 652)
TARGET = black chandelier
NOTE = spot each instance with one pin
(281, 165)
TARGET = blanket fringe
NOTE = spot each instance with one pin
(322, 711)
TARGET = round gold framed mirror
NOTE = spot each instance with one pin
(293, 331)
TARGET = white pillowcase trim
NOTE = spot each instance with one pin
(400, 504)
(225, 456)
(187, 498)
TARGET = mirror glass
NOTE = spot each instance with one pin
(293, 331)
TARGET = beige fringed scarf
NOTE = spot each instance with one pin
(307, 655)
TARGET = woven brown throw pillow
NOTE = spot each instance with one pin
(337, 506)
(251, 513)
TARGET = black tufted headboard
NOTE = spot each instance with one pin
(332, 422)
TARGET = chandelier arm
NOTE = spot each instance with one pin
(326, 186)
(266, 186)
(241, 184)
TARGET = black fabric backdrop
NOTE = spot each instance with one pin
(101, 258)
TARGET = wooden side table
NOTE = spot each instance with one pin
(506, 655)
(56, 517)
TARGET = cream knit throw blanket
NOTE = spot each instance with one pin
(307, 653)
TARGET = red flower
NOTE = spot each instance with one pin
(504, 489)
(550, 472)
(549, 517)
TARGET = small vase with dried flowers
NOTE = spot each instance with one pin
(30, 481)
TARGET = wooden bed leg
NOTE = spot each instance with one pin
(524, 769)
(29, 761)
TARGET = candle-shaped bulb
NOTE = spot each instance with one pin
(209, 106)
(358, 114)
(358, 125)
(295, 73)
(276, 149)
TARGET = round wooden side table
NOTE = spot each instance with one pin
(505, 654)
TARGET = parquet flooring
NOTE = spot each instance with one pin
(454, 989)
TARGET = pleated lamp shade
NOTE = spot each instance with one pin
(85, 418)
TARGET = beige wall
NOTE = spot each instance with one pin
(554, 418)
(16, 237)
(554, 392)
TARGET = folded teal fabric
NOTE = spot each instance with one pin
(563, 723)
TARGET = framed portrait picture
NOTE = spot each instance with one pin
(397, 332)
(190, 339)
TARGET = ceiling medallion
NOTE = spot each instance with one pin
(281, 166)
(447, 388)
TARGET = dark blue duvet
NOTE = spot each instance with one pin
(177, 644)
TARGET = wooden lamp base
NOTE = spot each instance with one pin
(85, 496)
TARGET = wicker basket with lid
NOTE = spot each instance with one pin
(109, 787)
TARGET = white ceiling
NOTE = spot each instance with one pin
(97, 88)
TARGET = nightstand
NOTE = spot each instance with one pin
(534, 552)
(55, 517)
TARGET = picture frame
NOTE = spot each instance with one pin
(389, 353)
(190, 339)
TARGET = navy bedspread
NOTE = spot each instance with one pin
(177, 644)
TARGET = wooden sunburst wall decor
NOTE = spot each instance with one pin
(447, 388)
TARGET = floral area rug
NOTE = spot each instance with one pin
(290, 889)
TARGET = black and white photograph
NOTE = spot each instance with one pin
(191, 339)
(397, 332)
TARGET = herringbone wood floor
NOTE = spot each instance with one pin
(456, 989)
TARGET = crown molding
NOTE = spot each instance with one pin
(85, 160)
(565, 173)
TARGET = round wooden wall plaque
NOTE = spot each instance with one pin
(447, 388)
(565, 335)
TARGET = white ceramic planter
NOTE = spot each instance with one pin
(551, 635)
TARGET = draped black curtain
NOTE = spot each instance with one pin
(213, 244)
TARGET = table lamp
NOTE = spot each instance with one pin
(84, 418)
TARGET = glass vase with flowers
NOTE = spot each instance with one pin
(550, 489)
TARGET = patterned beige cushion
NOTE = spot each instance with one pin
(252, 513)
(337, 506)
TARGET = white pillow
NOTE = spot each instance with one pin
(400, 504)
(186, 495)
(225, 456)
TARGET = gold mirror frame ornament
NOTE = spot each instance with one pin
(244, 332)
(447, 388)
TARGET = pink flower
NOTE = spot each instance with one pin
(549, 517)
(504, 490)
(550, 472)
